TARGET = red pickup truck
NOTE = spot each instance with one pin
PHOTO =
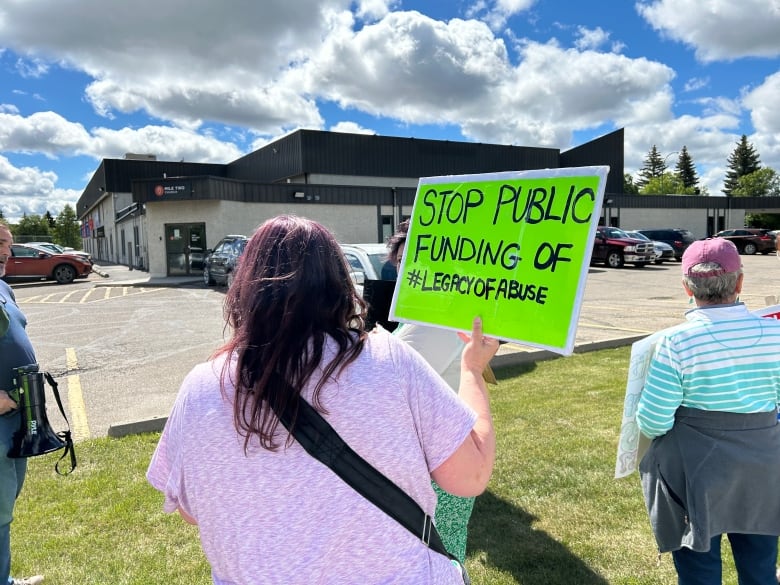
(614, 248)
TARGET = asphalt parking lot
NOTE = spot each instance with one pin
(120, 346)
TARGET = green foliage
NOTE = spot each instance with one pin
(629, 187)
(32, 225)
(743, 160)
(770, 221)
(686, 170)
(665, 184)
(49, 219)
(654, 166)
(764, 182)
(67, 231)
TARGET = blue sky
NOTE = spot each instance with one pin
(208, 81)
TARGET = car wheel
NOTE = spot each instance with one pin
(749, 248)
(64, 274)
(659, 261)
(614, 259)
(229, 279)
(207, 280)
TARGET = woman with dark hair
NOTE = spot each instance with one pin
(267, 511)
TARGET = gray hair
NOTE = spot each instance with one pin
(712, 289)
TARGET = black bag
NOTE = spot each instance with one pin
(321, 441)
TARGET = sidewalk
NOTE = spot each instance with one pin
(120, 275)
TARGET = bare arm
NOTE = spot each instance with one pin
(6, 403)
(467, 471)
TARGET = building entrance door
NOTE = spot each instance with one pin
(184, 248)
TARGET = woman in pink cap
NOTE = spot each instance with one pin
(710, 405)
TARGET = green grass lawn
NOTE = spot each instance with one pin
(553, 513)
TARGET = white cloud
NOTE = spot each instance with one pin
(32, 68)
(765, 114)
(590, 38)
(50, 134)
(496, 12)
(718, 29)
(30, 190)
(696, 83)
(265, 69)
(350, 128)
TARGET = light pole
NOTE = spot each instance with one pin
(663, 173)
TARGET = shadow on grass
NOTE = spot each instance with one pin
(505, 535)
(511, 371)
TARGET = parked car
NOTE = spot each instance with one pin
(57, 249)
(614, 248)
(32, 263)
(749, 240)
(663, 251)
(219, 264)
(677, 238)
(366, 260)
(776, 240)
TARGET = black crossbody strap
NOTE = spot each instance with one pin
(63, 435)
(321, 441)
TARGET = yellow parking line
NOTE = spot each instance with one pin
(67, 296)
(86, 295)
(78, 412)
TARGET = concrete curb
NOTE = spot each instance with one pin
(156, 424)
(151, 425)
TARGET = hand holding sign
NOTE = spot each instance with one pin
(512, 247)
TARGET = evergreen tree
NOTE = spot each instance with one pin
(47, 216)
(67, 231)
(629, 187)
(654, 166)
(742, 161)
(1, 214)
(686, 170)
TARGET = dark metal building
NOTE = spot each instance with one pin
(150, 214)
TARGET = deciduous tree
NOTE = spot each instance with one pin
(67, 231)
(764, 182)
(32, 225)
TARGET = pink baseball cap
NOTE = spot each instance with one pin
(717, 250)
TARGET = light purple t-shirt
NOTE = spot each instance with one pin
(283, 517)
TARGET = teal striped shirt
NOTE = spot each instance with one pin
(724, 358)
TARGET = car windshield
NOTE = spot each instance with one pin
(639, 236)
(615, 233)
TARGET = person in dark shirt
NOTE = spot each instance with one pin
(15, 351)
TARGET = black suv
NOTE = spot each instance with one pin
(220, 264)
(677, 238)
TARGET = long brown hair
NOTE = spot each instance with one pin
(291, 292)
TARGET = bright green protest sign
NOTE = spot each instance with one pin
(513, 248)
